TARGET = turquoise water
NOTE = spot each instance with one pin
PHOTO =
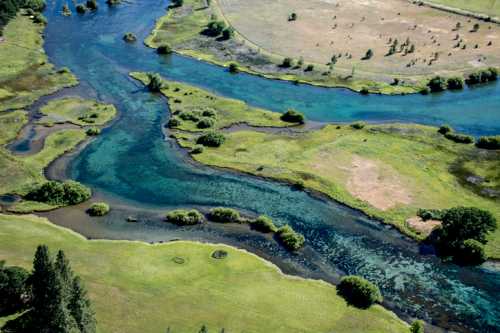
(132, 160)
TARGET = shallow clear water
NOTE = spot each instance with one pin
(132, 160)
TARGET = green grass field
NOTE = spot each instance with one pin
(77, 111)
(488, 7)
(26, 74)
(10, 124)
(137, 287)
(387, 171)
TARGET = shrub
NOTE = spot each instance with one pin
(292, 17)
(455, 83)
(189, 116)
(436, 84)
(459, 138)
(290, 238)
(482, 76)
(358, 125)
(425, 90)
(444, 129)
(227, 33)
(91, 4)
(233, 68)
(292, 116)
(173, 122)
(164, 49)
(212, 139)
(93, 131)
(205, 123)
(358, 291)
(215, 28)
(417, 327)
(309, 68)
(184, 217)
(177, 3)
(98, 209)
(489, 142)
(209, 113)
(224, 215)
(462, 223)
(40, 19)
(364, 91)
(129, 37)
(60, 193)
(368, 55)
(80, 8)
(470, 252)
(264, 224)
(13, 288)
(431, 214)
(287, 63)
(155, 83)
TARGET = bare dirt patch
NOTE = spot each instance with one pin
(378, 185)
(348, 29)
(424, 227)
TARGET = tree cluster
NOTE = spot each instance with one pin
(9, 9)
(54, 297)
(292, 116)
(211, 139)
(60, 193)
(488, 142)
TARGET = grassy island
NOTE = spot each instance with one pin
(370, 48)
(25, 73)
(179, 285)
(387, 171)
(77, 111)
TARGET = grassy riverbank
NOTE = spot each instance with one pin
(25, 73)
(181, 28)
(136, 287)
(387, 171)
(77, 111)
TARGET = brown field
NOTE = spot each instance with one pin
(349, 28)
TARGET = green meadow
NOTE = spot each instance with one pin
(139, 287)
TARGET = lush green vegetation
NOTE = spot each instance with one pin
(13, 288)
(184, 217)
(77, 111)
(417, 327)
(482, 76)
(10, 8)
(25, 73)
(155, 285)
(54, 297)
(60, 193)
(264, 224)
(211, 139)
(291, 239)
(98, 209)
(359, 291)
(224, 215)
(489, 142)
(292, 116)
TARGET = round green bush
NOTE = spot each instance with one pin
(224, 215)
(437, 84)
(455, 83)
(290, 238)
(58, 193)
(164, 49)
(209, 113)
(292, 116)
(212, 139)
(264, 224)
(98, 209)
(81, 9)
(358, 291)
(184, 217)
(444, 129)
(205, 123)
(358, 125)
(233, 68)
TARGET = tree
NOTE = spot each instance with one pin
(292, 116)
(63, 268)
(437, 84)
(462, 223)
(80, 308)
(164, 49)
(13, 289)
(358, 291)
(368, 55)
(287, 63)
(227, 33)
(455, 83)
(292, 17)
(215, 28)
(155, 82)
(211, 139)
(470, 252)
(233, 68)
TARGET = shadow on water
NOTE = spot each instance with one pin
(132, 165)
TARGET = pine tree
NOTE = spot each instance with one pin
(80, 308)
(63, 268)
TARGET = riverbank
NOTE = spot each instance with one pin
(260, 43)
(281, 303)
(386, 171)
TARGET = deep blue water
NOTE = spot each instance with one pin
(132, 160)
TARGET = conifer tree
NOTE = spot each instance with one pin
(80, 308)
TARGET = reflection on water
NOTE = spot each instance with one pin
(132, 161)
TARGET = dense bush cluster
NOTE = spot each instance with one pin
(164, 49)
(463, 233)
(184, 217)
(444, 129)
(9, 9)
(459, 138)
(431, 214)
(211, 139)
(358, 125)
(437, 84)
(155, 82)
(417, 327)
(358, 291)
(482, 76)
(98, 209)
(54, 296)
(488, 142)
(224, 215)
(290, 238)
(292, 116)
(455, 83)
(60, 193)
(205, 123)
(215, 28)
(264, 224)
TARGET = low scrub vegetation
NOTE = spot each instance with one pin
(211, 139)
(482, 76)
(264, 224)
(98, 209)
(290, 238)
(60, 193)
(184, 217)
(224, 215)
(488, 142)
(359, 292)
(292, 116)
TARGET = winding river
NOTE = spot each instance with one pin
(132, 162)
